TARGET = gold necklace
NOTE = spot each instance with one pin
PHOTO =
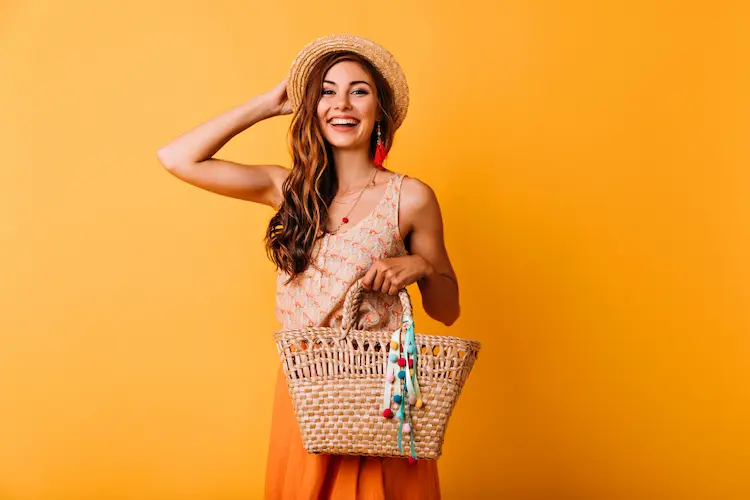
(345, 219)
(372, 183)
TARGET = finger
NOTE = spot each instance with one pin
(395, 282)
(368, 278)
(386, 286)
(377, 284)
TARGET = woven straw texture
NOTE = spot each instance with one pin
(336, 378)
(383, 60)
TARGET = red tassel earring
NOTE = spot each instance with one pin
(380, 152)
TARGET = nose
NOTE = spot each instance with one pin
(342, 102)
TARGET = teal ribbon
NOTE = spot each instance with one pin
(409, 384)
(401, 418)
(410, 352)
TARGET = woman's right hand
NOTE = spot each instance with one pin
(277, 99)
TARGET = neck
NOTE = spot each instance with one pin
(353, 168)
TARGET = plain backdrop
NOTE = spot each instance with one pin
(591, 161)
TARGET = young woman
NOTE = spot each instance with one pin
(341, 216)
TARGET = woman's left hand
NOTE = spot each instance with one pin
(391, 275)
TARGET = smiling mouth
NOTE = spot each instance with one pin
(343, 128)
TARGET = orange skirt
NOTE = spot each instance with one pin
(294, 474)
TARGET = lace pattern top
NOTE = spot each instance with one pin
(316, 297)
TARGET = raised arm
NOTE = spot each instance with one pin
(190, 157)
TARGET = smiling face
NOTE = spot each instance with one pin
(348, 107)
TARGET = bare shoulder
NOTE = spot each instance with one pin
(418, 206)
(417, 195)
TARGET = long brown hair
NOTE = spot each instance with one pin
(312, 182)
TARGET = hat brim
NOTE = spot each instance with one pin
(377, 55)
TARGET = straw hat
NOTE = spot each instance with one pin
(383, 61)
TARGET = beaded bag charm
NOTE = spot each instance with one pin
(401, 386)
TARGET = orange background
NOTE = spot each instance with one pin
(591, 161)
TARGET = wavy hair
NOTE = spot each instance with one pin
(312, 183)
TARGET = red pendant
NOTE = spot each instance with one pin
(344, 220)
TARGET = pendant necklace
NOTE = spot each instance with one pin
(345, 219)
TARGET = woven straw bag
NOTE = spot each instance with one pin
(346, 385)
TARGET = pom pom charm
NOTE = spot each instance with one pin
(390, 378)
(412, 460)
(402, 374)
(402, 362)
(393, 357)
(388, 413)
(397, 398)
(406, 428)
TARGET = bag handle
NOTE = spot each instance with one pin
(353, 301)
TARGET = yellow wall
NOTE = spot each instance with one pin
(591, 160)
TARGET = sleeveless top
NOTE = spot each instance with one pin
(316, 297)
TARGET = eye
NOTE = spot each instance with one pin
(361, 91)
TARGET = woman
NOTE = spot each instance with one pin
(340, 216)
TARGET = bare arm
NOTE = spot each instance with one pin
(190, 157)
(439, 285)
(427, 264)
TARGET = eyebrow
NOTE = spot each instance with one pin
(351, 83)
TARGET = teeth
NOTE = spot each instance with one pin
(341, 121)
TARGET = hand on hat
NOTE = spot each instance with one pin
(277, 100)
